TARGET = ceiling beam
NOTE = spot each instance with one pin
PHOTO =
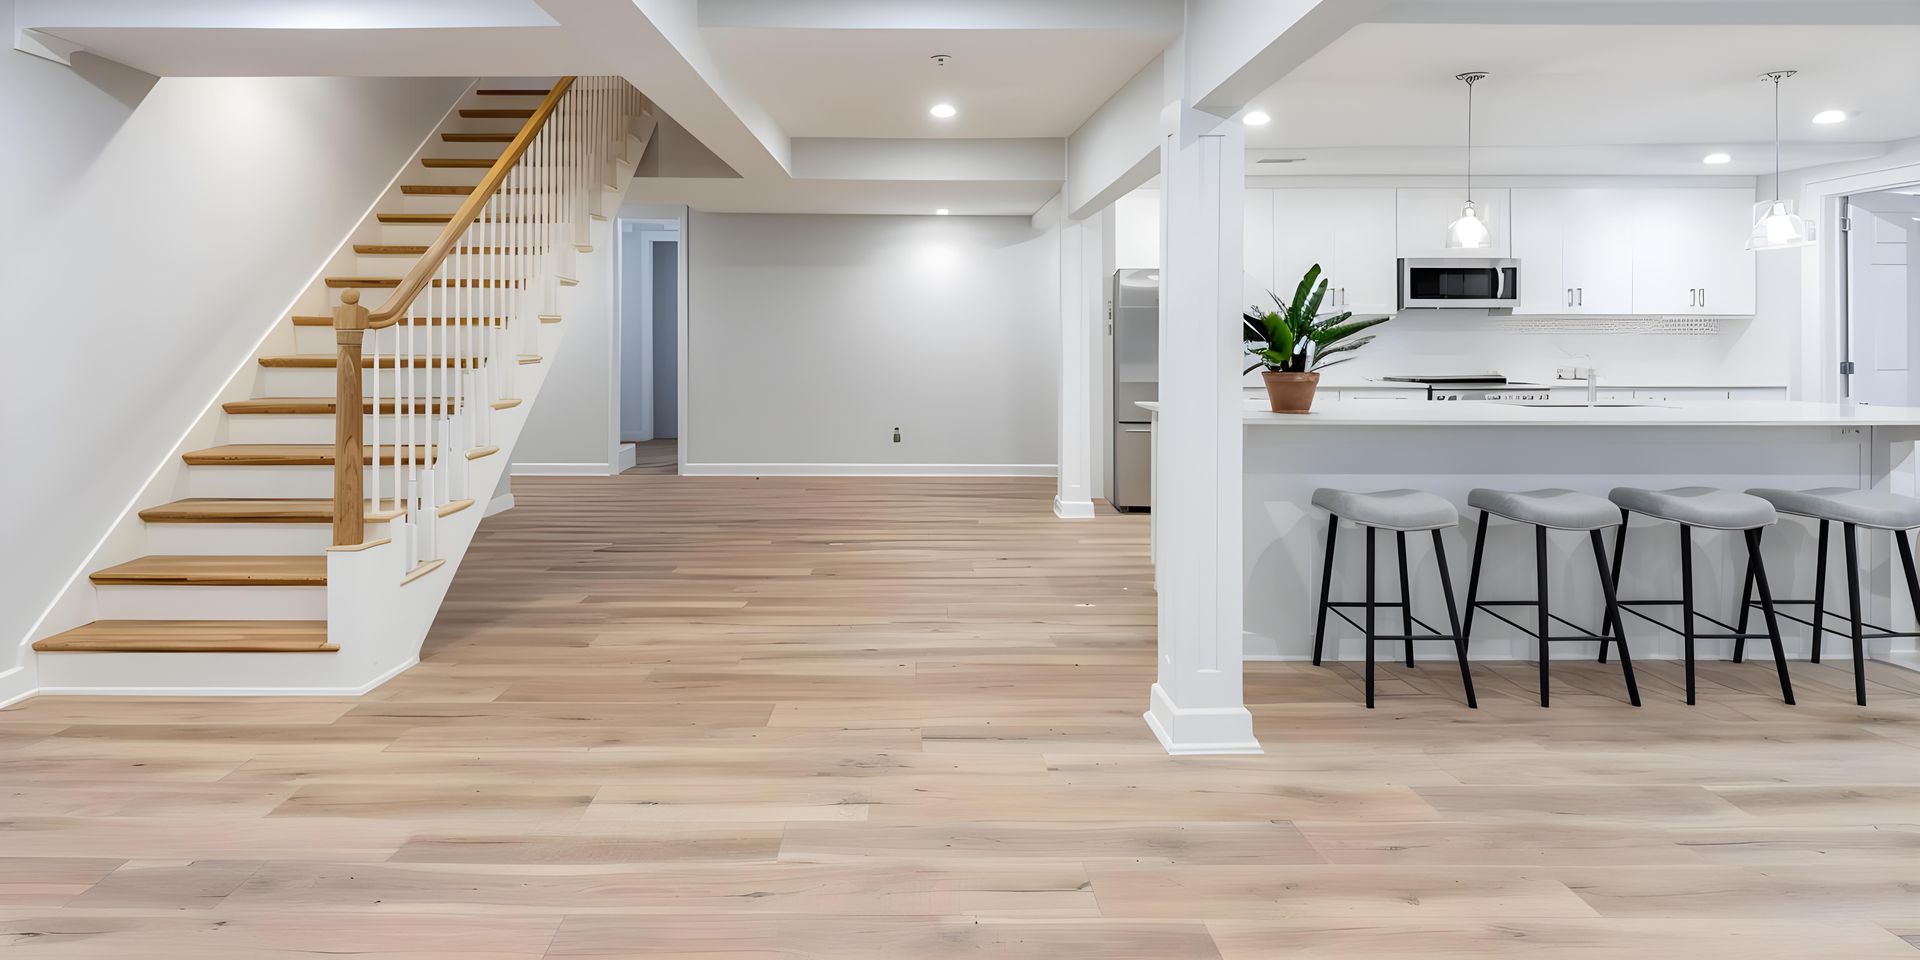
(1149, 15)
(1656, 12)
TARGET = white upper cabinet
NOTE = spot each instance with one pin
(1689, 251)
(1575, 248)
(1425, 213)
(1258, 249)
(1349, 232)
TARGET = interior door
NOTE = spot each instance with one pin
(1879, 308)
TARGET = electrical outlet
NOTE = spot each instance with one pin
(896, 434)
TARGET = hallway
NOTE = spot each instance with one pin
(865, 718)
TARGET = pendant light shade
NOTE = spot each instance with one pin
(1469, 232)
(1775, 225)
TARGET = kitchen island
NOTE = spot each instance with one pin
(1451, 448)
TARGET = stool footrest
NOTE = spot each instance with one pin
(1883, 633)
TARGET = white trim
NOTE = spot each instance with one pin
(563, 470)
(868, 469)
(499, 504)
(627, 458)
(1210, 730)
(23, 694)
(360, 690)
(1072, 509)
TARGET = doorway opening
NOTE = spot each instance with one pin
(649, 361)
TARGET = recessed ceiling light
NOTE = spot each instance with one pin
(1830, 116)
(943, 211)
(944, 111)
(1717, 158)
(1257, 118)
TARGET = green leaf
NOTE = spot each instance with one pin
(1341, 328)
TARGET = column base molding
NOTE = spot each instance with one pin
(1073, 509)
(1200, 730)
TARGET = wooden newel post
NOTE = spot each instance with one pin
(349, 460)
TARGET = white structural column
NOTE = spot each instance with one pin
(1073, 500)
(1197, 705)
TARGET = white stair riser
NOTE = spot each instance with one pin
(305, 481)
(303, 428)
(245, 539)
(319, 381)
(201, 602)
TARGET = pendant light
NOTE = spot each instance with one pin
(1469, 232)
(1775, 226)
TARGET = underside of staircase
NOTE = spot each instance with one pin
(235, 550)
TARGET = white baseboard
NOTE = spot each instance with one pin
(628, 458)
(563, 470)
(129, 691)
(499, 504)
(11, 689)
(870, 470)
(1073, 509)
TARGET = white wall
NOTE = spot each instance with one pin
(812, 337)
(573, 429)
(151, 242)
(1756, 352)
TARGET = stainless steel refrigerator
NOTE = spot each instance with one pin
(1135, 378)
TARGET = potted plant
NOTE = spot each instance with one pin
(1295, 343)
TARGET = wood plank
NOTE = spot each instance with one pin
(320, 321)
(296, 454)
(261, 510)
(497, 113)
(512, 92)
(386, 361)
(477, 138)
(305, 406)
(239, 571)
(457, 163)
(192, 636)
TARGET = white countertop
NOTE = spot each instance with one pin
(1713, 413)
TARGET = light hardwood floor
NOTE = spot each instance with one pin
(795, 718)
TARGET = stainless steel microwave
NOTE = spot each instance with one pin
(1459, 282)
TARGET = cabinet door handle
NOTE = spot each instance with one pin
(1569, 296)
(1693, 296)
(1580, 295)
(1703, 296)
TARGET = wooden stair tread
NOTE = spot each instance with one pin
(320, 321)
(327, 361)
(192, 636)
(412, 249)
(316, 405)
(260, 510)
(225, 571)
(438, 189)
(458, 163)
(477, 137)
(389, 282)
(508, 92)
(497, 113)
(295, 455)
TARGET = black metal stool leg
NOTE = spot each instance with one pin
(1913, 581)
(1819, 593)
(1406, 595)
(1546, 622)
(1453, 617)
(1848, 533)
(1766, 610)
(1686, 602)
(1613, 626)
(1326, 590)
(1619, 550)
(1369, 618)
(1473, 577)
(1746, 608)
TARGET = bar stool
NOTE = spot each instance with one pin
(1546, 510)
(1402, 512)
(1710, 509)
(1852, 509)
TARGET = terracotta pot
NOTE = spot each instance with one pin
(1290, 392)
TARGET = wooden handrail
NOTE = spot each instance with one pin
(422, 273)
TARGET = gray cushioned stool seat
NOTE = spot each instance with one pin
(1866, 508)
(1405, 510)
(1553, 508)
(1698, 506)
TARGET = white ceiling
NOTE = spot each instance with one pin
(1689, 87)
(880, 83)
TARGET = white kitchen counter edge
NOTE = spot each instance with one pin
(1713, 413)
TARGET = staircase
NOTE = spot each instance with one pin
(322, 508)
